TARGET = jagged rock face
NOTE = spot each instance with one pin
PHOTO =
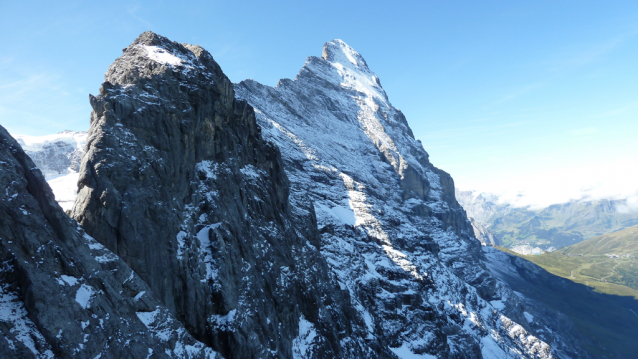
(64, 295)
(391, 229)
(178, 181)
(480, 206)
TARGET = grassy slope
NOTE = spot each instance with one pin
(587, 262)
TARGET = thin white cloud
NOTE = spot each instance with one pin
(516, 93)
(38, 101)
(133, 11)
(617, 111)
(578, 58)
(630, 206)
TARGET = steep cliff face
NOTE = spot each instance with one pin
(64, 295)
(482, 234)
(178, 181)
(390, 226)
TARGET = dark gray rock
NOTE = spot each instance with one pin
(64, 295)
(178, 181)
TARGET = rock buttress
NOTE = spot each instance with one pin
(178, 181)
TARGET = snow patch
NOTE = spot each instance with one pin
(139, 295)
(181, 244)
(497, 304)
(250, 171)
(529, 317)
(303, 343)
(148, 318)
(84, 295)
(344, 214)
(224, 322)
(65, 189)
(404, 352)
(13, 315)
(491, 350)
(69, 280)
(162, 56)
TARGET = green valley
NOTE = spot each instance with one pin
(607, 263)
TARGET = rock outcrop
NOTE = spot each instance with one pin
(64, 295)
(179, 183)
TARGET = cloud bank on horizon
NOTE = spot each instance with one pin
(616, 179)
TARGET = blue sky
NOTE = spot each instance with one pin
(504, 95)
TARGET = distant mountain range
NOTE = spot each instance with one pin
(532, 231)
(58, 157)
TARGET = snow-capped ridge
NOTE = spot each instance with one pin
(35, 143)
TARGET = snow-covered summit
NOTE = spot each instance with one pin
(38, 143)
(150, 54)
(337, 51)
(352, 69)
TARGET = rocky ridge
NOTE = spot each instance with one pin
(62, 294)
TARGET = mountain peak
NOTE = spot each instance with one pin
(150, 38)
(337, 51)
